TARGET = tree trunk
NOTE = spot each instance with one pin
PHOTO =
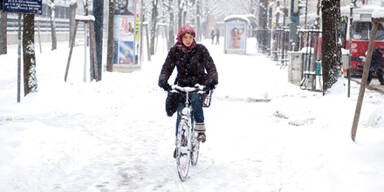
(154, 25)
(198, 16)
(30, 81)
(338, 37)
(3, 32)
(53, 24)
(184, 17)
(329, 52)
(110, 36)
(171, 32)
(180, 14)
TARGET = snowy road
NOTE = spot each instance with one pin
(263, 134)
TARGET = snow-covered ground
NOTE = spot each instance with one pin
(263, 134)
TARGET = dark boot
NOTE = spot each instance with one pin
(379, 74)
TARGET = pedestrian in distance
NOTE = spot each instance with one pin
(213, 36)
(194, 66)
(377, 65)
(217, 36)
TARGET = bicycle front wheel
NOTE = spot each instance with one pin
(195, 149)
(183, 153)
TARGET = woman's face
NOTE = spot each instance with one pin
(187, 39)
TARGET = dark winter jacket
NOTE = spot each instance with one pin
(194, 67)
(377, 60)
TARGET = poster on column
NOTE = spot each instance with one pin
(236, 36)
(124, 33)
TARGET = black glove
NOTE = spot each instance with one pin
(211, 84)
(165, 85)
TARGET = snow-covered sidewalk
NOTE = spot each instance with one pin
(263, 134)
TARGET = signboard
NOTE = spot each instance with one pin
(22, 6)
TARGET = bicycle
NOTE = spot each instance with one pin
(187, 145)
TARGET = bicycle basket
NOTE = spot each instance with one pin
(207, 98)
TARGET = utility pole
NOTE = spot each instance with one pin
(316, 48)
(350, 50)
(98, 10)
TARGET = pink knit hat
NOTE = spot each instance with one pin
(183, 30)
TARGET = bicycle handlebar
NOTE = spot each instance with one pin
(197, 88)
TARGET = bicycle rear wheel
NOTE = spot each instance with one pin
(183, 153)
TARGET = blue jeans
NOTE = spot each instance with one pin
(197, 110)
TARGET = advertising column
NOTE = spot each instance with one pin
(125, 33)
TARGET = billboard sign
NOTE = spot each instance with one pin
(22, 6)
(236, 36)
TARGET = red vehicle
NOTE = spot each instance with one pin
(361, 30)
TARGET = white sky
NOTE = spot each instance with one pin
(114, 135)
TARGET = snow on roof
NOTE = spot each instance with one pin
(363, 9)
(239, 17)
(85, 18)
(73, 2)
(363, 13)
(378, 14)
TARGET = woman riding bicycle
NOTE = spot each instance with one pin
(194, 66)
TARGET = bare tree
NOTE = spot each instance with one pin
(110, 35)
(3, 32)
(53, 23)
(329, 51)
(171, 32)
(198, 22)
(180, 13)
(30, 81)
(153, 26)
